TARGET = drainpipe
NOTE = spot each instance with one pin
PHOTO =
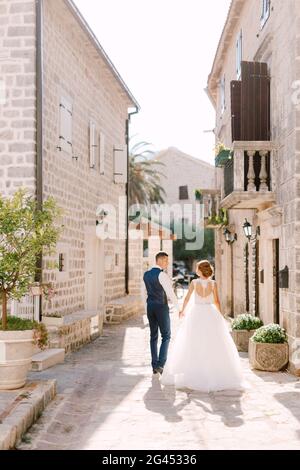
(127, 204)
(39, 123)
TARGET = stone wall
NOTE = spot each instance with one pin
(17, 95)
(77, 329)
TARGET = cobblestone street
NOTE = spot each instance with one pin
(107, 399)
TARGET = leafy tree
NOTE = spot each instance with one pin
(25, 233)
(144, 176)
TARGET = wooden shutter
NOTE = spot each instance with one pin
(255, 105)
(236, 109)
(66, 125)
(120, 164)
(101, 153)
(92, 144)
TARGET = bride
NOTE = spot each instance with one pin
(203, 356)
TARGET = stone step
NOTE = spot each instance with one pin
(45, 359)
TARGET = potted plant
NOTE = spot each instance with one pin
(243, 327)
(223, 154)
(268, 348)
(218, 220)
(48, 290)
(25, 232)
(198, 195)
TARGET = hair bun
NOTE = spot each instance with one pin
(205, 268)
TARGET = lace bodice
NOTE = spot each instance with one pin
(203, 290)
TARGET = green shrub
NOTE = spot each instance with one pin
(19, 324)
(246, 322)
(270, 334)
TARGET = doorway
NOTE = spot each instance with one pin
(276, 297)
(94, 272)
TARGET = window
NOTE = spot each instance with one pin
(265, 12)
(93, 144)
(66, 125)
(183, 193)
(116, 259)
(223, 96)
(101, 153)
(120, 164)
(61, 262)
(239, 54)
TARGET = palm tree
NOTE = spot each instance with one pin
(144, 176)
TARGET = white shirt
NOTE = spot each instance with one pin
(166, 284)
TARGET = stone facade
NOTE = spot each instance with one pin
(78, 78)
(17, 95)
(275, 42)
(71, 69)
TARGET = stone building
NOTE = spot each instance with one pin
(254, 86)
(64, 117)
(183, 175)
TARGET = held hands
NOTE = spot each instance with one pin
(181, 314)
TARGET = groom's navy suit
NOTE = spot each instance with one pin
(158, 316)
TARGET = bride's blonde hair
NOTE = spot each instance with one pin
(205, 268)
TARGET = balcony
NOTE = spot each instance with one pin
(248, 179)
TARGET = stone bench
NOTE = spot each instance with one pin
(73, 331)
(119, 310)
(48, 358)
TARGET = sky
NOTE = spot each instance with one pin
(164, 50)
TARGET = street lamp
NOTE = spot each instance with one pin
(252, 239)
(230, 238)
(247, 227)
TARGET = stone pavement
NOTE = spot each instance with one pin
(108, 399)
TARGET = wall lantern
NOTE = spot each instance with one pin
(229, 237)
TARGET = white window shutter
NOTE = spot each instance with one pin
(239, 55)
(120, 164)
(66, 126)
(92, 144)
(101, 153)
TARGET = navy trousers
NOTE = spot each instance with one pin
(159, 319)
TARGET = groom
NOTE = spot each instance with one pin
(159, 288)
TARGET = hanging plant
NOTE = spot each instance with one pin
(198, 195)
(220, 219)
(223, 154)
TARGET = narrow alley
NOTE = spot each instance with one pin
(108, 399)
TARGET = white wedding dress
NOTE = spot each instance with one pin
(203, 355)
